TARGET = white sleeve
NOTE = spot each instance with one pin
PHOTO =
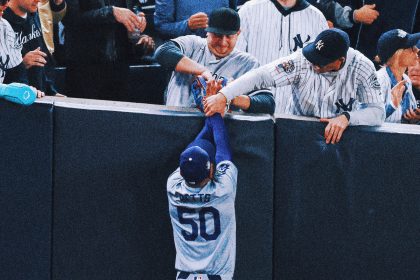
(255, 79)
(373, 114)
(173, 180)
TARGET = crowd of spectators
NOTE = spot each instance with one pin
(98, 40)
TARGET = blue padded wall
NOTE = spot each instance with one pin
(111, 216)
(25, 191)
(350, 210)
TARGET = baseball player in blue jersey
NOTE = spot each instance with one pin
(397, 51)
(330, 81)
(201, 195)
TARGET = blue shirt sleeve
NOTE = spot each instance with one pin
(221, 139)
(165, 22)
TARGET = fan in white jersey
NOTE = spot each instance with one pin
(397, 50)
(276, 28)
(330, 81)
(201, 195)
(10, 56)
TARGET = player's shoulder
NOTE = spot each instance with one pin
(357, 56)
(174, 180)
(244, 57)
(190, 41)
(226, 176)
(359, 62)
(291, 62)
(224, 168)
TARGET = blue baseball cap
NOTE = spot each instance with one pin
(329, 45)
(195, 161)
(393, 40)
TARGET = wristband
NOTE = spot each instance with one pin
(228, 105)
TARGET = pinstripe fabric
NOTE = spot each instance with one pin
(10, 56)
(409, 101)
(268, 35)
(328, 95)
(316, 95)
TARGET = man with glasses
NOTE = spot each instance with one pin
(329, 80)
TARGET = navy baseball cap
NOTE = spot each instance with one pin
(195, 161)
(393, 40)
(224, 21)
(329, 45)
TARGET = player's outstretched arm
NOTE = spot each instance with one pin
(170, 56)
(206, 133)
(221, 138)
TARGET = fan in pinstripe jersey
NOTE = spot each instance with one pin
(275, 28)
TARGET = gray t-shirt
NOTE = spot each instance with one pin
(203, 222)
(231, 67)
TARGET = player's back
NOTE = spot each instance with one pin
(203, 221)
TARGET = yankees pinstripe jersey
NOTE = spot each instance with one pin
(10, 56)
(387, 81)
(269, 32)
(194, 47)
(319, 95)
(203, 222)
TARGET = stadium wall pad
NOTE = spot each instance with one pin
(26, 191)
(347, 211)
(111, 164)
(83, 194)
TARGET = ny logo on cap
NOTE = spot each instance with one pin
(319, 45)
(401, 33)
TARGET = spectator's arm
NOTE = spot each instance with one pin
(165, 22)
(16, 74)
(170, 56)
(259, 102)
